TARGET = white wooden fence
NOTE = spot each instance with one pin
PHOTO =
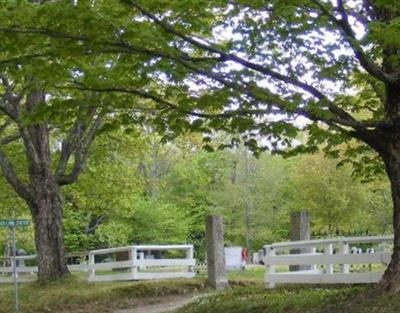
(345, 260)
(137, 267)
(341, 260)
(104, 266)
(27, 273)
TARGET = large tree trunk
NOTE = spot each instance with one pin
(45, 204)
(49, 237)
(390, 281)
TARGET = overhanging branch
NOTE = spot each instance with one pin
(342, 116)
(344, 27)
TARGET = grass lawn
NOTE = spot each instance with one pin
(296, 299)
(75, 295)
(247, 295)
(251, 273)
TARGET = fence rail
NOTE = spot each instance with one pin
(27, 273)
(328, 260)
(138, 267)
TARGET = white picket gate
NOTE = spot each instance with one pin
(328, 260)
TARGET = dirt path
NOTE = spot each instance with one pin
(162, 305)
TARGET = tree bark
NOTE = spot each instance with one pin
(390, 281)
(49, 237)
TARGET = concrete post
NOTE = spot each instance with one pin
(215, 252)
(300, 230)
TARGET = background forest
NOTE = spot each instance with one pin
(137, 189)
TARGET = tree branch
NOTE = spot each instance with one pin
(280, 103)
(372, 68)
(342, 115)
(123, 46)
(345, 28)
(70, 144)
(81, 153)
(23, 57)
(9, 139)
(9, 102)
(159, 99)
(9, 173)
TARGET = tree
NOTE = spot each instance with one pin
(259, 68)
(339, 203)
(41, 189)
(285, 58)
(54, 129)
(44, 110)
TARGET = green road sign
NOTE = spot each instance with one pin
(14, 223)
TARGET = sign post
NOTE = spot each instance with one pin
(14, 263)
(13, 224)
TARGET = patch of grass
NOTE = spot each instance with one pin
(296, 299)
(367, 301)
(257, 299)
(251, 273)
(246, 295)
(76, 295)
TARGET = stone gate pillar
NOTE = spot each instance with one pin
(215, 252)
(299, 230)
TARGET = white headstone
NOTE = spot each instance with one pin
(233, 258)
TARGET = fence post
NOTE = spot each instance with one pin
(329, 251)
(314, 267)
(133, 256)
(344, 249)
(189, 256)
(271, 268)
(142, 258)
(92, 271)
